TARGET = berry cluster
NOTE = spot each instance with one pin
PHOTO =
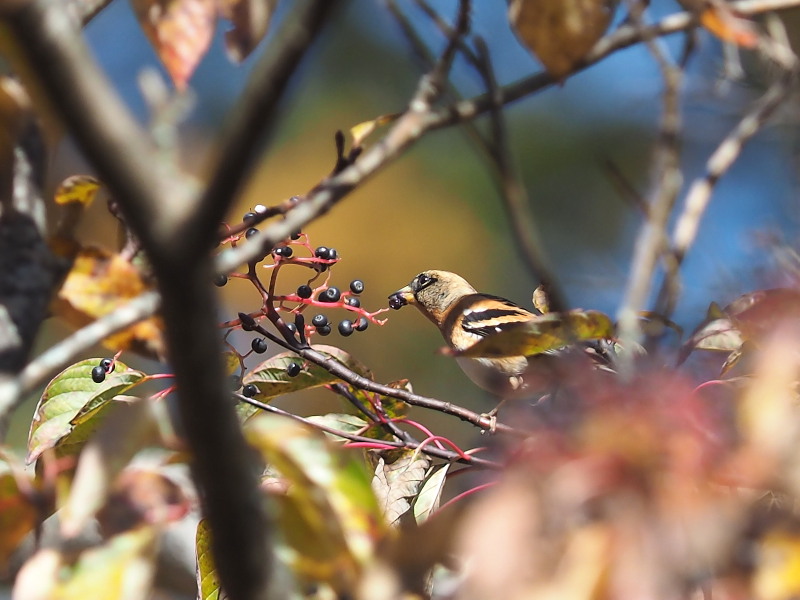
(106, 366)
(286, 311)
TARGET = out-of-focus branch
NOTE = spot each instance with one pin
(412, 126)
(668, 178)
(514, 195)
(699, 195)
(253, 119)
(497, 153)
(60, 355)
(154, 196)
(623, 37)
(103, 128)
(86, 10)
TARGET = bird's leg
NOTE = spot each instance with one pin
(491, 416)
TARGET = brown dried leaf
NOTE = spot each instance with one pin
(180, 31)
(250, 20)
(396, 482)
(560, 32)
(18, 510)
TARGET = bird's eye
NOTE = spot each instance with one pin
(424, 280)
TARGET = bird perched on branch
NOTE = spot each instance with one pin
(466, 317)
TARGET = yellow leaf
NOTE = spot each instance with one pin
(77, 189)
(362, 131)
(560, 32)
(777, 575)
(99, 283)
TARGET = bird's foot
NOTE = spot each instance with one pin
(489, 421)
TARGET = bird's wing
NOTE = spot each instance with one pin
(485, 315)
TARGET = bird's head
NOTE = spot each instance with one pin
(432, 292)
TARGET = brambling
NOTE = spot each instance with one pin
(464, 317)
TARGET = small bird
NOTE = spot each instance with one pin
(465, 317)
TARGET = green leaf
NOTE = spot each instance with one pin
(428, 499)
(341, 422)
(329, 517)
(73, 405)
(208, 583)
(546, 332)
(272, 380)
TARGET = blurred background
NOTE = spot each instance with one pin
(438, 207)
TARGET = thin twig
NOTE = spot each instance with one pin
(413, 125)
(718, 164)
(381, 421)
(432, 83)
(497, 154)
(668, 177)
(428, 449)
(254, 118)
(513, 193)
(334, 367)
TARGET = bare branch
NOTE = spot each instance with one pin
(253, 119)
(515, 198)
(413, 125)
(720, 161)
(652, 238)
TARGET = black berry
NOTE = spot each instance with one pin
(248, 322)
(354, 302)
(319, 321)
(332, 294)
(220, 280)
(324, 330)
(108, 365)
(304, 291)
(321, 252)
(346, 328)
(98, 374)
(362, 324)
(259, 345)
(292, 327)
(397, 302)
(248, 216)
(296, 235)
(249, 390)
(293, 370)
(356, 286)
(284, 251)
(332, 254)
(250, 232)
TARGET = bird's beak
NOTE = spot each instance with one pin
(401, 297)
